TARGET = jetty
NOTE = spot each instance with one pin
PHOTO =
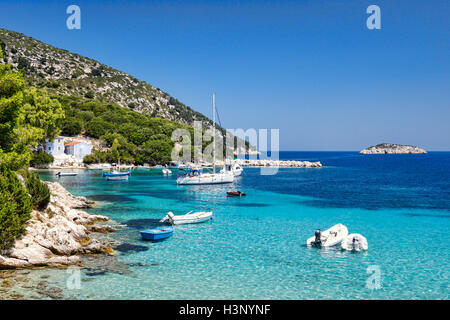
(278, 163)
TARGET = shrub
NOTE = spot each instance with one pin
(23, 63)
(39, 191)
(89, 94)
(15, 209)
(72, 127)
(40, 158)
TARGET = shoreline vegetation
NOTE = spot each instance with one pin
(57, 235)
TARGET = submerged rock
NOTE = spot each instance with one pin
(128, 247)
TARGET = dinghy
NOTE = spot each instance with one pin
(235, 193)
(157, 234)
(166, 171)
(66, 174)
(354, 242)
(189, 217)
(328, 238)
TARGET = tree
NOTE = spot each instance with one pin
(27, 117)
(72, 127)
(157, 151)
(15, 208)
(40, 158)
(39, 191)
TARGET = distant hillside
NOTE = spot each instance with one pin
(66, 73)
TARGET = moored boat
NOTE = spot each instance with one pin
(328, 238)
(208, 178)
(234, 168)
(116, 174)
(66, 174)
(157, 234)
(235, 193)
(354, 242)
(117, 177)
(187, 218)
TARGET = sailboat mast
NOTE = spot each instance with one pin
(214, 133)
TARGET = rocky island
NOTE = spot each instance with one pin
(56, 236)
(389, 148)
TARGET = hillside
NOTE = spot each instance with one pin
(64, 73)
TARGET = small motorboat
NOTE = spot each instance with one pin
(235, 193)
(354, 242)
(189, 217)
(66, 174)
(157, 234)
(117, 177)
(166, 171)
(328, 238)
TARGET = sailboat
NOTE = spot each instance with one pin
(208, 178)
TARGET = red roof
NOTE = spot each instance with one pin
(72, 143)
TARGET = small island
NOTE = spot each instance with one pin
(389, 148)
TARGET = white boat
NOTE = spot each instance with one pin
(354, 242)
(120, 177)
(189, 217)
(66, 174)
(196, 176)
(234, 168)
(206, 178)
(328, 238)
(166, 171)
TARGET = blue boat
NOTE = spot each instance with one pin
(157, 234)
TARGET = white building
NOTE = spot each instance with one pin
(78, 149)
(55, 147)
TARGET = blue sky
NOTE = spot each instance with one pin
(310, 68)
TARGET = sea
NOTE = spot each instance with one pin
(255, 246)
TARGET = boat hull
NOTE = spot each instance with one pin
(354, 242)
(157, 234)
(206, 179)
(330, 237)
(191, 221)
(117, 178)
(197, 217)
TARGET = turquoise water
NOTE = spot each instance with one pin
(255, 246)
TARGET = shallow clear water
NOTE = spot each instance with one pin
(255, 246)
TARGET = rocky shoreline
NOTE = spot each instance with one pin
(389, 148)
(279, 163)
(58, 236)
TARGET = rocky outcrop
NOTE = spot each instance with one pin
(388, 148)
(279, 163)
(56, 236)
